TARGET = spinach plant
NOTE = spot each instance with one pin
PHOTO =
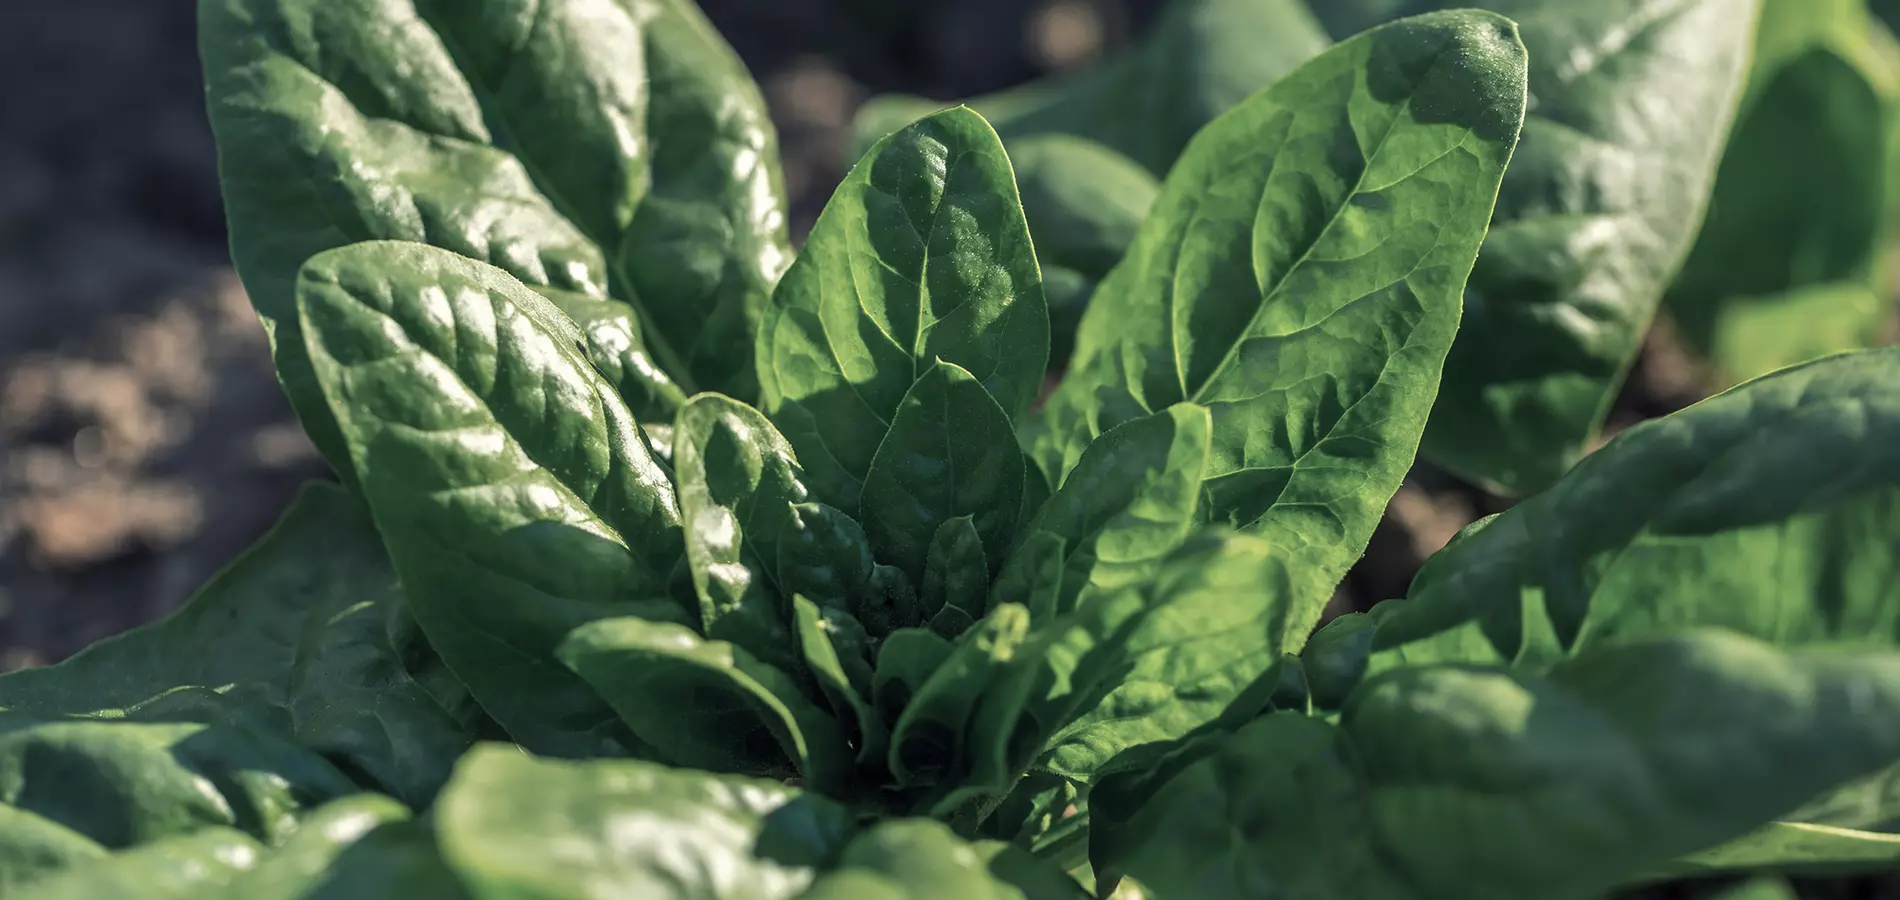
(868, 622)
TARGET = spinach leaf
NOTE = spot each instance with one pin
(707, 704)
(1789, 260)
(183, 867)
(920, 258)
(1634, 100)
(1300, 277)
(514, 491)
(737, 481)
(611, 149)
(357, 848)
(834, 650)
(514, 826)
(1031, 577)
(1475, 782)
(905, 661)
(956, 575)
(125, 783)
(950, 452)
(298, 632)
(616, 345)
(823, 553)
(33, 847)
(927, 739)
(1133, 497)
(1200, 59)
(918, 859)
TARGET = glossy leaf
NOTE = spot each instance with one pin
(950, 452)
(905, 662)
(514, 491)
(296, 632)
(1032, 576)
(737, 481)
(918, 859)
(1789, 262)
(920, 258)
(616, 345)
(1300, 277)
(833, 648)
(823, 554)
(33, 847)
(956, 574)
(707, 704)
(1132, 498)
(1198, 60)
(928, 738)
(513, 826)
(183, 867)
(605, 148)
(1634, 100)
(125, 783)
(1474, 783)
(358, 848)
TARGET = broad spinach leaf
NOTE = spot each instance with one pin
(514, 491)
(1300, 277)
(927, 739)
(33, 847)
(184, 867)
(956, 575)
(1791, 260)
(918, 859)
(1475, 782)
(609, 148)
(1633, 100)
(303, 631)
(919, 260)
(357, 848)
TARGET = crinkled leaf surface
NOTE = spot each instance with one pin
(1474, 782)
(1300, 276)
(296, 632)
(616, 345)
(1789, 262)
(950, 452)
(514, 491)
(920, 258)
(513, 826)
(1631, 105)
(1198, 60)
(612, 148)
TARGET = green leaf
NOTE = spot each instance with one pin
(956, 574)
(183, 867)
(33, 847)
(928, 738)
(1209, 628)
(125, 783)
(1771, 510)
(823, 554)
(297, 632)
(1476, 783)
(1788, 262)
(1300, 277)
(1634, 103)
(1031, 577)
(844, 677)
(905, 662)
(918, 859)
(707, 704)
(1132, 498)
(1198, 60)
(612, 149)
(737, 481)
(920, 258)
(616, 345)
(1759, 889)
(514, 491)
(357, 848)
(514, 826)
(950, 452)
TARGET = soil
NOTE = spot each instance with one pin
(143, 439)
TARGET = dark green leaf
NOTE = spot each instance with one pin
(294, 632)
(905, 661)
(737, 481)
(1475, 783)
(1788, 262)
(1634, 99)
(1300, 277)
(513, 826)
(600, 147)
(616, 345)
(956, 575)
(920, 258)
(33, 847)
(1132, 498)
(1032, 576)
(823, 554)
(928, 738)
(124, 783)
(514, 491)
(707, 704)
(950, 452)
(183, 867)
(357, 848)
(918, 859)
(1200, 59)
(835, 650)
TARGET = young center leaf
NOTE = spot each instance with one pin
(609, 148)
(1300, 276)
(1471, 782)
(920, 259)
(1634, 99)
(297, 632)
(515, 493)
